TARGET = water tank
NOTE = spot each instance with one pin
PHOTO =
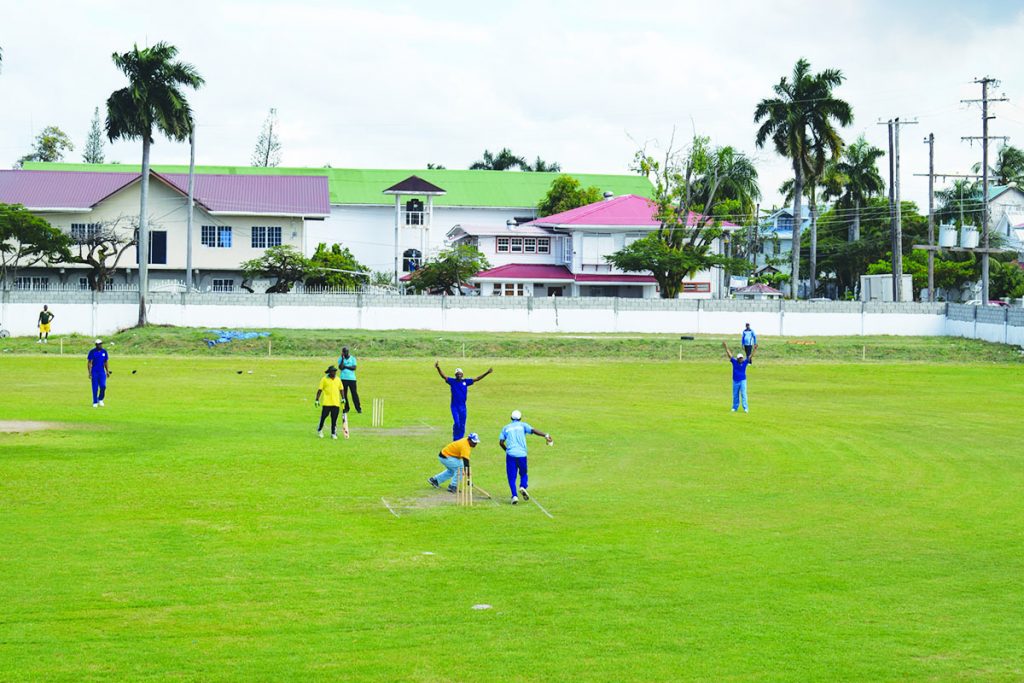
(947, 235)
(968, 237)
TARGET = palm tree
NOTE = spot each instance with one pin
(153, 98)
(800, 122)
(733, 178)
(542, 166)
(853, 179)
(502, 161)
(961, 203)
(1009, 166)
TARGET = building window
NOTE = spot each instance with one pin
(223, 285)
(523, 245)
(696, 287)
(414, 214)
(27, 282)
(216, 236)
(509, 289)
(412, 259)
(82, 232)
(263, 237)
(83, 282)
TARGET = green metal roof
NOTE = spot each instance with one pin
(366, 186)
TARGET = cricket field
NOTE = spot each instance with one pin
(864, 522)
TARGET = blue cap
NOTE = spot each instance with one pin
(474, 437)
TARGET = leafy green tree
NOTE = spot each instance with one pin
(337, 267)
(154, 98)
(27, 239)
(949, 274)
(504, 160)
(800, 122)
(737, 190)
(683, 243)
(567, 193)
(101, 247)
(50, 145)
(93, 152)
(449, 270)
(1008, 167)
(285, 264)
(432, 165)
(1007, 280)
(853, 179)
(268, 147)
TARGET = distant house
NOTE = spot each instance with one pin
(236, 218)
(777, 227)
(393, 219)
(757, 293)
(564, 254)
(1006, 215)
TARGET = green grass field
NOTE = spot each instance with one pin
(863, 522)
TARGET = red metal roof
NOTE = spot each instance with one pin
(243, 194)
(628, 210)
(757, 289)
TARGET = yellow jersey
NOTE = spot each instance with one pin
(330, 391)
(458, 449)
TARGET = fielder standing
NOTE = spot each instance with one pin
(749, 342)
(460, 391)
(347, 364)
(45, 318)
(99, 371)
(513, 442)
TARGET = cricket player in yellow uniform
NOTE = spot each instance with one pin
(454, 457)
(328, 395)
(45, 318)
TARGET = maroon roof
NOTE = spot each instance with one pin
(539, 271)
(242, 194)
(414, 185)
(625, 211)
(757, 289)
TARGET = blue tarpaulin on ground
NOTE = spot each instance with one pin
(227, 336)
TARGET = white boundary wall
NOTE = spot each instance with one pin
(85, 313)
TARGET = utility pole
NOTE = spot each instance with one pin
(895, 210)
(752, 247)
(191, 206)
(984, 82)
(930, 141)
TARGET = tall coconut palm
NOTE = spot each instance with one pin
(1009, 166)
(798, 120)
(154, 98)
(853, 179)
(504, 160)
(732, 176)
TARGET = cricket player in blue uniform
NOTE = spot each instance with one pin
(749, 342)
(513, 442)
(96, 364)
(739, 378)
(459, 386)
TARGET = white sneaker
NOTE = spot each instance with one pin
(524, 493)
(46, 341)
(515, 500)
(39, 341)
(734, 410)
(102, 404)
(95, 405)
(334, 436)
(320, 434)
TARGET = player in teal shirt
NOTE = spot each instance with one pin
(347, 364)
(513, 441)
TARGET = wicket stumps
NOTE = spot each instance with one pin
(378, 412)
(464, 491)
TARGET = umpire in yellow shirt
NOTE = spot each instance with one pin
(328, 395)
(453, 457)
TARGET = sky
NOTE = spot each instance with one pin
(400, 84)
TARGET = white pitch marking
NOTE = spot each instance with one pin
(389, 507)
(534, 500)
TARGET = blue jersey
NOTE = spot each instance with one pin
(748, 338)
(739, 369)
(99, 361)
(514, 436)
(460, 390)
